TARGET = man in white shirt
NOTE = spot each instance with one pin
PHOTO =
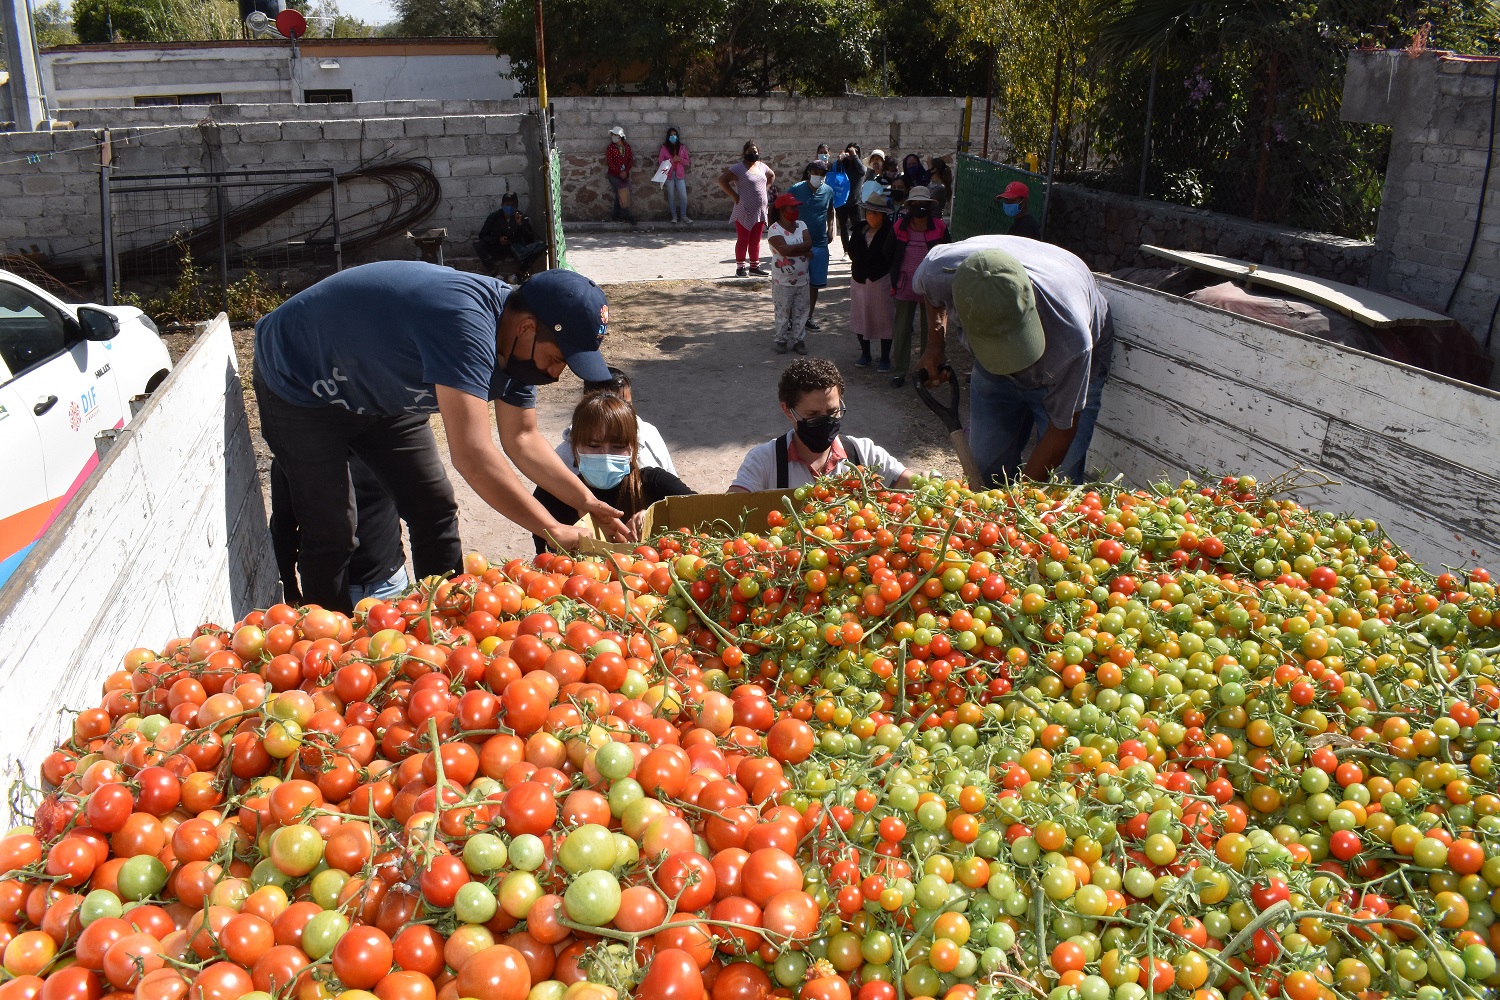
(653, 449)
(811, 392)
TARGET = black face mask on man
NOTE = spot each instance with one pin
(818, 433)
(527, 372)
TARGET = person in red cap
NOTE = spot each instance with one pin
(357, 364)
(791, 253)
(1012, 202)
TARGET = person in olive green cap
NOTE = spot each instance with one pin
(1041, 335)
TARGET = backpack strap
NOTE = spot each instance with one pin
(851, 450)
(783, 463)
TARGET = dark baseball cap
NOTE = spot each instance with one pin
(572, 310)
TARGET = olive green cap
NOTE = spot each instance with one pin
(997, 307)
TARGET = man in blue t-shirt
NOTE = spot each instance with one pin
(816, 197)
(359, 361)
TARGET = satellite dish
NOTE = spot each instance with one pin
(291, 24)
(259, 24)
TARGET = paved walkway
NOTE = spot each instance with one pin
(613, 257)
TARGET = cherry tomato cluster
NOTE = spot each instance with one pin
(1065, 743)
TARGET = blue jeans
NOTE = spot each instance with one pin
(676, 190)
(1003, 417)
(395, 586)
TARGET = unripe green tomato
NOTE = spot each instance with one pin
(475, 903)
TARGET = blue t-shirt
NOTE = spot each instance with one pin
(815, 208)
(379, 338)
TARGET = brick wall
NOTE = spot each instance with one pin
(787, 129)
(52, 204)
(1439, 107)
(1107, 230)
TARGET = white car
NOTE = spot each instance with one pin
(67, 372)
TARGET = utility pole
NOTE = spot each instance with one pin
(553, 210)
(28, 106)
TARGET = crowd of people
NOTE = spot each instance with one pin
(348, 372)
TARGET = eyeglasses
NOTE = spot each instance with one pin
(824, 417)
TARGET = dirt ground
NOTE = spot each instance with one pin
(700, 359)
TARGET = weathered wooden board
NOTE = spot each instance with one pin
(1362, 304)
(1195, 389)
(169, 532)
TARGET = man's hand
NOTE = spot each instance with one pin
(567, 536)
(937, 344)
(607, 519)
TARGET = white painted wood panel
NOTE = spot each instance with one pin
(1195, 389)
(168, 533)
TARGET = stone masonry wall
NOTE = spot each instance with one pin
(191, 114)
(1107, 231)
(49, 181)
(787, 129)
(1440, 108)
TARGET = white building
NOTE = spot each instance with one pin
(315, 70)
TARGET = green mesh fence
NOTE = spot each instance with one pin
(554, 172)
(976, 182)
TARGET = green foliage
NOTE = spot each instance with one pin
(326, 19)
(193, 299)
(447, 17)
(52, 24)
(155, 20)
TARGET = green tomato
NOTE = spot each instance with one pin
(526, 853)
(590, 847)
(141, 877)
(99, 903)
(485, 853)
(614, 761)
(518, 891)
(297, 849)
(326, 886)
(323, 932)
(593, 898)
(475, 903)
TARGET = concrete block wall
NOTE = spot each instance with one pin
(53, 204)
(787, 129)
(281, 112)
(1107, 231)
(1439, 106)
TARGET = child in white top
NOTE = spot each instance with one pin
(791, 252)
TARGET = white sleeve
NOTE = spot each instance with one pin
(653, 447)
(758, 470)
(880, 460)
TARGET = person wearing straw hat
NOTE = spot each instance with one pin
(1041, 335)
(1012, 202)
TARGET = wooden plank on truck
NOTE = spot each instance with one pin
(1371, 308)
(1195, 388)
(168, 532)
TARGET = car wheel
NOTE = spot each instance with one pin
(155, 381)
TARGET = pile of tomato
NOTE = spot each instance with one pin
(1051, 742)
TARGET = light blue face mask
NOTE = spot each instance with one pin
(604, 471)
(1011, 208)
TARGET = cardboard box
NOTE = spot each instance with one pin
(733, 513)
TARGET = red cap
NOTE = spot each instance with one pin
(1015, 190)
(787, 200)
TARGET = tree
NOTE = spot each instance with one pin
(52, 25)
(446, 17)
(326, 19)
(155, 20)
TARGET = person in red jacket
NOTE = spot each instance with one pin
(618, 159)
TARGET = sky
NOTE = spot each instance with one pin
(369, 11)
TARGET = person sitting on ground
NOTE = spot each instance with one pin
(811, 392)
(791, 251)
(653, 450)
(816, 198)
(507, 240)
(1012, 202)
(607, 459)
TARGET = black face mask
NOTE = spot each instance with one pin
(818, 433)
(751, 158)
(917, 211)
(525, 370)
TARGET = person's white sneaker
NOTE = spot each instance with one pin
(686, 221)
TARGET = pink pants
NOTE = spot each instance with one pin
(747, 243)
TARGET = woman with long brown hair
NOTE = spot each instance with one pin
(606, 456)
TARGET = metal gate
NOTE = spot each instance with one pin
(976, 182)
(238, 219)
